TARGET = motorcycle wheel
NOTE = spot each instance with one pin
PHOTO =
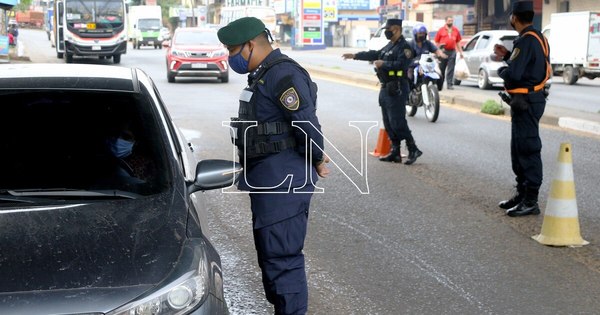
(432, 110)
(411, 109)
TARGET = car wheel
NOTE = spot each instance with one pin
(482, 80)
(170, 77)
(225, 77)
(456, 82)
(69, 58)
(117, 59)
(569, 75)
(60, 55)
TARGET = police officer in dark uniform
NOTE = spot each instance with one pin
(391, 64)
(281, 162)
(524, 80)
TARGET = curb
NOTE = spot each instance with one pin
(583, 125)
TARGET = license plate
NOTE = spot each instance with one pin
(96, 48)
(199, 65)
(91, 26)
(150, 43)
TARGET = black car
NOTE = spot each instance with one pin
(98, 206)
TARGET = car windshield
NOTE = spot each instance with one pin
(196, 38)
(74, 142)
(149, 24)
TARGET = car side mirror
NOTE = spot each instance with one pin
(214, 174)
(166, 43)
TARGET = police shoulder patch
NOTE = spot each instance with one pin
(290, 99)
(408, 53)
(515, 53)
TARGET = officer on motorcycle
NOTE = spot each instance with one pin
(421, 45)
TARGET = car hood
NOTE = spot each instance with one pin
(198, 47)
(88, 257)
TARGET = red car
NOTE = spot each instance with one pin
(196, 52)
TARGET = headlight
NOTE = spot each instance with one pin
(177, 297)
(177, 53)
(217, 53)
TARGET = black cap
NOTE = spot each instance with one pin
(522, 6)
(391, 22)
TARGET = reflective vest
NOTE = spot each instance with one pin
(539, 87)
(253, 137)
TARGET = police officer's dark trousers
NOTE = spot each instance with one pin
(279, 249)
(393, 111)
(526, 145)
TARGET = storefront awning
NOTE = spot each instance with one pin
(7, 4)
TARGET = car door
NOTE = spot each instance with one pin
(469, 55)
(480, 53)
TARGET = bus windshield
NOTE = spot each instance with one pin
(100, 13)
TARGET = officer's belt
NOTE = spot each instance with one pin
(273, 128)
(383, 84)
(271, 146)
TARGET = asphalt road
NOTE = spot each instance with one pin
(426, 238)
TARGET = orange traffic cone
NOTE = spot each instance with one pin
(384, 145)
(561, 224)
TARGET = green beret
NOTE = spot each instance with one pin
(240, 31)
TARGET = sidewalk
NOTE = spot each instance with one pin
(553, 115)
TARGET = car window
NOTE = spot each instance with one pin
(379, 32)
(507, 41)
(483, 42)
(81, 140)
(471, 44)
(196, 38)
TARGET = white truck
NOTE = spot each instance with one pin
(574, 39)
(145, 22)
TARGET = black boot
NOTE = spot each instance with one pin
(515, 200)
(394, 155)
(413, 152)
(528, 206)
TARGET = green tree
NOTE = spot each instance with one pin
(23, 5)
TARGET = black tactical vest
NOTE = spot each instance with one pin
(252, 136)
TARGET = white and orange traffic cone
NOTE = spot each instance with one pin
(384, 145)
(561, 222)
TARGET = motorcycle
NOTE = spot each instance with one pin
(424, 92)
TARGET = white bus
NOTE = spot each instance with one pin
(265, 14)
(90, 28)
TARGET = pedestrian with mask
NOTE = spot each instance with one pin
(524, 80)
(448, 39)
(391, 64)
(281, 161)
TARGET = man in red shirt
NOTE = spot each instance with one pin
(448, 39)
